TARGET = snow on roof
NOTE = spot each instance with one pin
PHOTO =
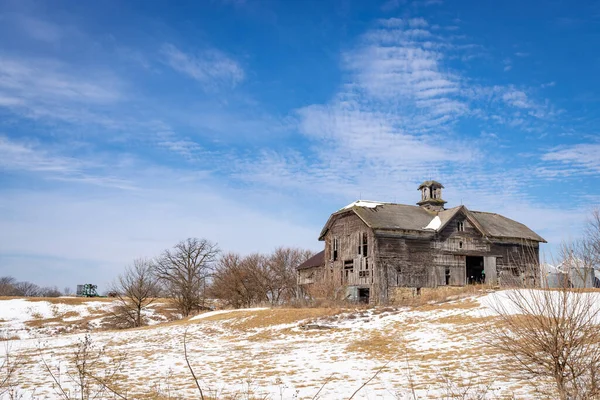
(550, 269)
(434, 224)
(363, 203)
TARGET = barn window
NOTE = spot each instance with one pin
(349, 265)
(366, 263)
(460, 226)
(460, 245)
(364, 244)
(335, 249)
(447, 276)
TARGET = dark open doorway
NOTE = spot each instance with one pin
(475, 272)
(363, 295)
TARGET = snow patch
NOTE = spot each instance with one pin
(363, 203)
(435, 223)
(211, 313)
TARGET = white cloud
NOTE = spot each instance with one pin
(548, 84)
(583, 158)
(517, 98)
(45, 80)
(32, 158)
(45, 88)
(212, 67)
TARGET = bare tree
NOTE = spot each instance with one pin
(282, 272)
(136, 289)
(7, 286)
(26, 289)
(592, 238)
(233, 282)
(185, 270)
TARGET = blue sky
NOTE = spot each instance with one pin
(128, 126)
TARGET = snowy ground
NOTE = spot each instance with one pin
(285, 353)
(26, 318)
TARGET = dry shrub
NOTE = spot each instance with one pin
(9, 367)
(553, 336)
(324, 293)
(90, 373)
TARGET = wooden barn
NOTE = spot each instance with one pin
(372, 248)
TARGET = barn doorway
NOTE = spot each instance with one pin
(363, 295)
(475, 272)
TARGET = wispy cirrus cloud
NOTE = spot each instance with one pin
(44, 80)
(29, 157)
(581, 158)
(47, 88)
(211, 67)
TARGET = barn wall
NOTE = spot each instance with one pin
(310, 275)
(405, 262)
(517, 262)
(350, 265)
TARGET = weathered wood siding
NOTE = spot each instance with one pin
(451, 248)
(350, 264)
(310, 275)
(517, 262)
(403, 262)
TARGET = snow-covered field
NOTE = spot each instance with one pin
(26, 318)
(279, 353)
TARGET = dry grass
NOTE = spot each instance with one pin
(463, 304)
(442, 294)
(384, 345)
(39, 322)
(463, 319)
(246, 320)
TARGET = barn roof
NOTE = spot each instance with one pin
(315, 261)
(433, 184)
(390, 216)
(499, 226)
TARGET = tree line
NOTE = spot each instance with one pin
(196, 269)
(9, 286)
